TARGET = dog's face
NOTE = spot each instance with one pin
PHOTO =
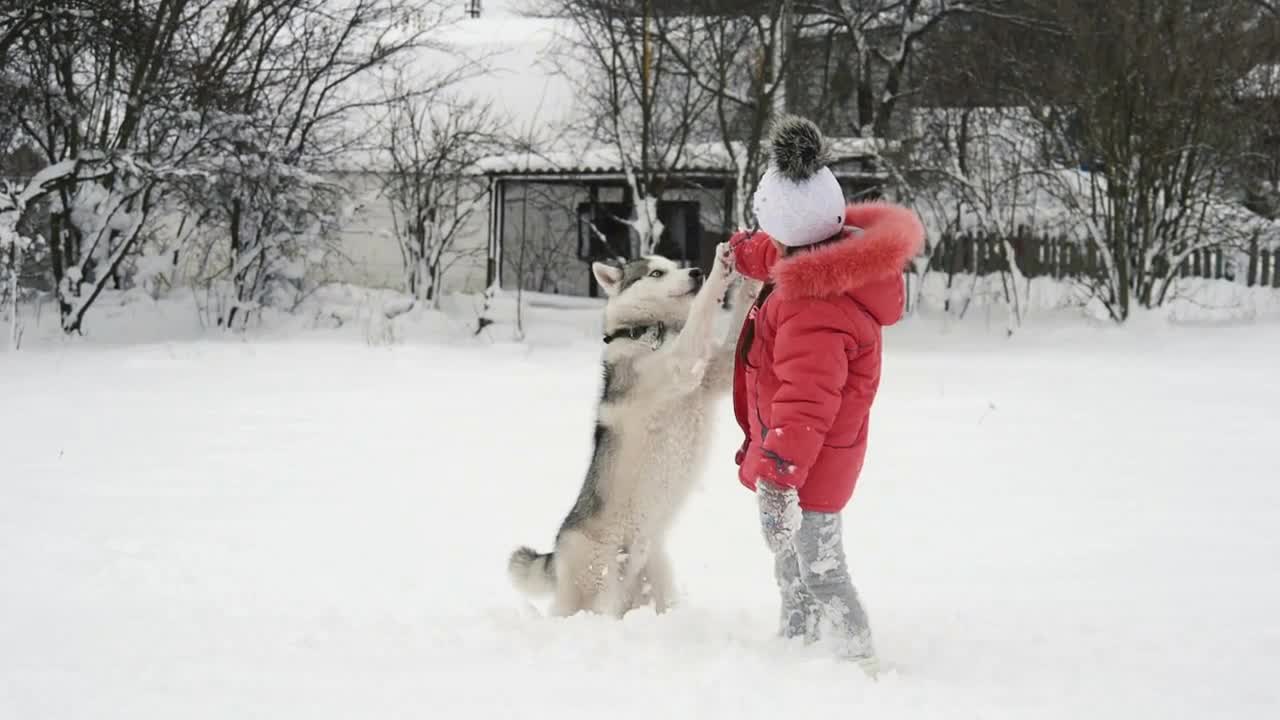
(647, 290)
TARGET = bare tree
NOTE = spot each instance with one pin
(20, 18)
(740, 57)
(1151, 121)
(103, 85)
(735, 65)
(1257, 114)
(14, 244)
(289, 82)
(545, 261)
(432, 142)
(1120, 125)
(803, 56)
(634, 97)
(879, 38)
(977, 171)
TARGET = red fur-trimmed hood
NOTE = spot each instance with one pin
(866, 263)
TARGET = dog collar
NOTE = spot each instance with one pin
(638, 332)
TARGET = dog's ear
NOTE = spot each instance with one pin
(609, 277)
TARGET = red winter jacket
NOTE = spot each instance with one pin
(803, 397)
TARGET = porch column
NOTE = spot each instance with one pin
(497, 203)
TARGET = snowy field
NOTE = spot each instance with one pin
(1078, 522)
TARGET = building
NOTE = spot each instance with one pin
(550, 216)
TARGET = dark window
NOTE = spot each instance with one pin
(606, 234)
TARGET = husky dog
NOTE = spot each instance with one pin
(662, 370)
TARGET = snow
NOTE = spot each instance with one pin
(1261, 82)
(42, 179)
(713, 156)
(1078, 521)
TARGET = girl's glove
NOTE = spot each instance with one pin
(780, 514)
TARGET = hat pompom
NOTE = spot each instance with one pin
(798, 149)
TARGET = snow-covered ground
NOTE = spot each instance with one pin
(1075, 522)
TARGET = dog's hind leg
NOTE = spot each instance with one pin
(637, 593)
(568, 601)
(632, 565)
(586, 576)
(571, 557)
(660, 579)
(652, 583)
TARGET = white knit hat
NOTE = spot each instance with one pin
(798, 201)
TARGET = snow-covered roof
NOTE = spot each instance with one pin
(709, 157)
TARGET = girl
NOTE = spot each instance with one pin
(807, 371)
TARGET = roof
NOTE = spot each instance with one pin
(711, 158)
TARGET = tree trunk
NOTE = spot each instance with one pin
(236, 247)
(115, 258)
(15, 332)
(433, 291)
(57, 262)
(1253, 261)
(865, 92)
(1120, 257)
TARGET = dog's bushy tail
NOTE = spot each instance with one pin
(532, 572)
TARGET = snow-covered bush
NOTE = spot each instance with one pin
(13, 248)
(265, 221)
(17, 248)
(226, 114)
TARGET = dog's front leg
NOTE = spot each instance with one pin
(695, 339)
(719, 375)
(684, 361)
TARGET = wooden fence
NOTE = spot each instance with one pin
(1059, 257)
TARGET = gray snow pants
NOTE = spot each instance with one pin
(818, 597)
